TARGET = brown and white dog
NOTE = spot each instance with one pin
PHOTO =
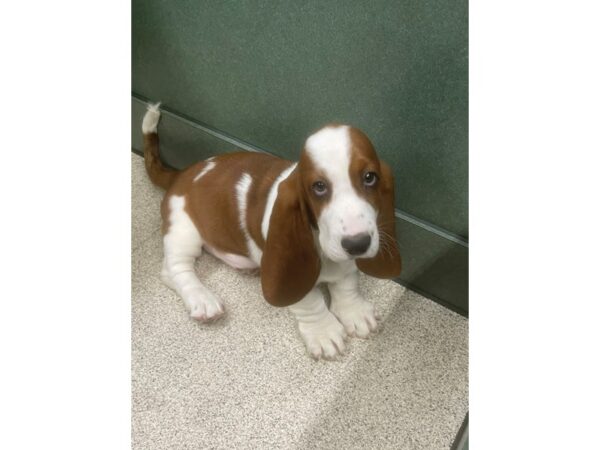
(316, 221)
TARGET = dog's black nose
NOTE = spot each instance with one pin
(357, 244)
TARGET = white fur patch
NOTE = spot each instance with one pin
(329, 148)
(210, 166)
(241, 189)
(356, 314)
(271, 199)
(182, 245)
(151, 118)
(322, 333)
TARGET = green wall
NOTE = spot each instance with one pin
(264, 75)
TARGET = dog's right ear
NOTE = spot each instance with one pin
(290, 263)
(387, 263)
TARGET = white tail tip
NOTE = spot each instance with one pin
(151, 118)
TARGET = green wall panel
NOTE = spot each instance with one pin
(434, 263)
(271, 72)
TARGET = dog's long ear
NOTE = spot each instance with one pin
(290, 263)
(387, 262)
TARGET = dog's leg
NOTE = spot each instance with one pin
(356, 314)
(182, 245)
(321, 331)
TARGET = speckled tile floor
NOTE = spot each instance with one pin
(247, 382)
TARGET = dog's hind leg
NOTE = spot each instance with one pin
(182, 245)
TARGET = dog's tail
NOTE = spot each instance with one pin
(159, 174)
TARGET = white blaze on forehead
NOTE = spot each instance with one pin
(329, 150)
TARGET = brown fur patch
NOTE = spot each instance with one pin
(258, 194)
(159, 174)
(211, 201)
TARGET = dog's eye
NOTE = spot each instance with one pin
(370, 178)
(319, 188)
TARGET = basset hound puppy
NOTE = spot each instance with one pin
(319, 220)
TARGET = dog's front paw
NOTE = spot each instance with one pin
(324, 338)
(358, 317)
(204, 306)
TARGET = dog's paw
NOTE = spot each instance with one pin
(324, 338)
(204, 306)
(358, 317)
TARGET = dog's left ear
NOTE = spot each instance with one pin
(290, 263)
(387, 262)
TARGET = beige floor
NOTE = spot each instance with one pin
(246, 381)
